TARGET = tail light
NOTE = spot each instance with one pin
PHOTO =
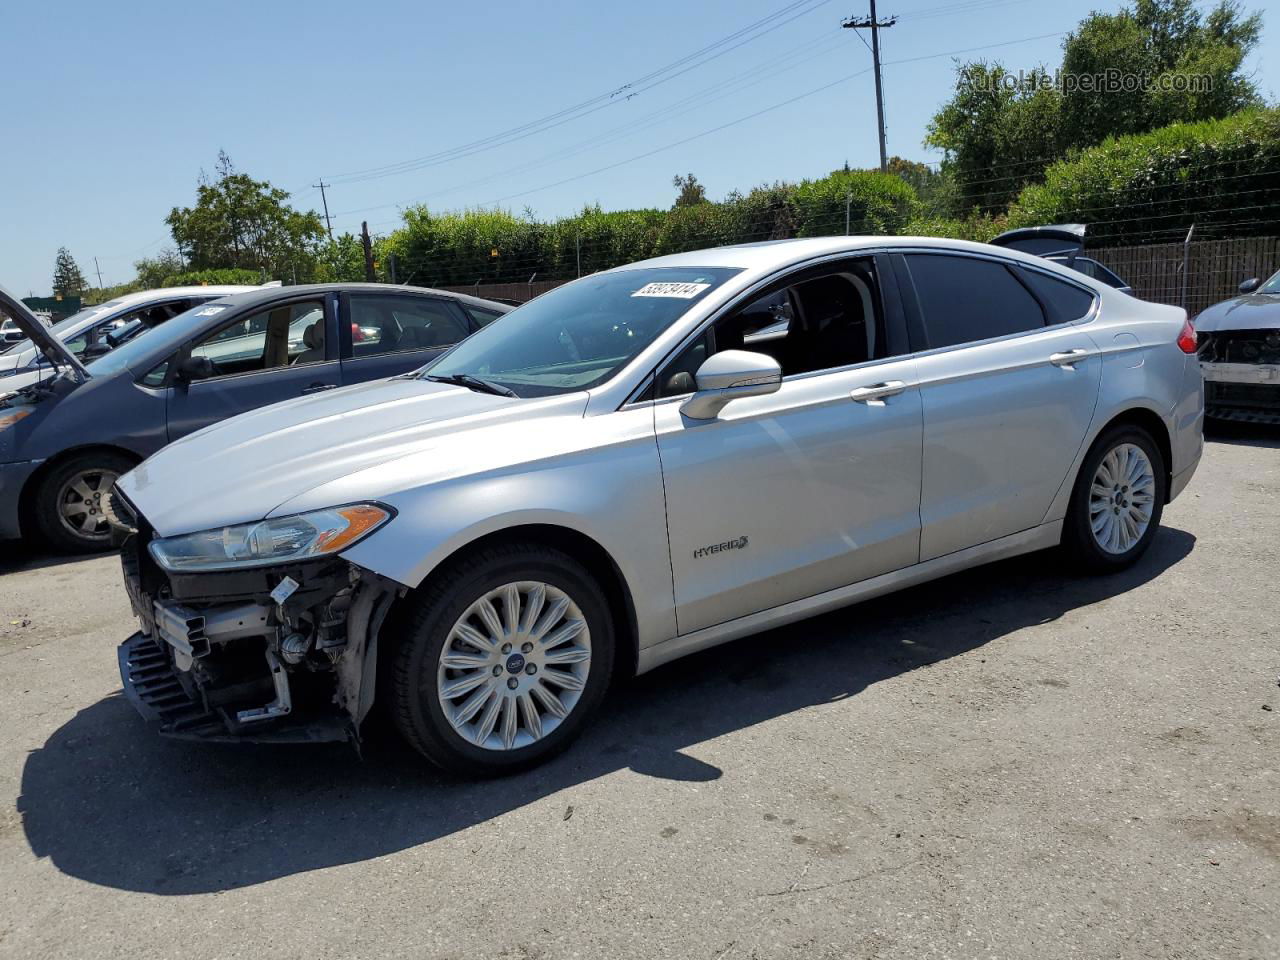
(1187, 338)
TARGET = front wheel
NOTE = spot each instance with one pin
(71, 501)
(1117, 501)
(503, 659)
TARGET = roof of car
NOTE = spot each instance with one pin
(774, 254)
(267, 294)
(164, 293)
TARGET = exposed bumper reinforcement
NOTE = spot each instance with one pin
(152, 686)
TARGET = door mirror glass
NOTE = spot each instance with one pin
(1250, 285)
(729, 375)
(196, 367)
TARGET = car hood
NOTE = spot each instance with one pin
(1251, 311)
(41, 336)
(245, 468)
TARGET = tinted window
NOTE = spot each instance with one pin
(481, 316)
(1063, 301)
(965, 299)
(395, 324)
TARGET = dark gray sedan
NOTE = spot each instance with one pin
(66, 435)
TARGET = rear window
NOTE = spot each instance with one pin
(1064, 301)
(966, 299)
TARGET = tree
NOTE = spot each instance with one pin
(68, 281)
(1152, 64)
(692, 192)
(1188, 68)
(239, 222)
(155, 271)
(999, 131)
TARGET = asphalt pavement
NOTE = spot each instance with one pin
(1012, 762)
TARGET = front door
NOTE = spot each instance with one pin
(817, 486)
(280, 352)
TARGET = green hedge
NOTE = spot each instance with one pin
(1221, 175)
(459, 248)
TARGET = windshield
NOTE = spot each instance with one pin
(1272, 285)
(577, 336)
(163, 339)
(71, 325)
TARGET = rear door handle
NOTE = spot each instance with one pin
(877, 391)
(1068, 359)
(319, 387)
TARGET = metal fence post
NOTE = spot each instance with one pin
(1186, 264)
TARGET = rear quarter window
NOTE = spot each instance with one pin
(1063, 301)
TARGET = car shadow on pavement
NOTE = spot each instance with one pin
(1244, 434)
(109, 802)
(18, 555)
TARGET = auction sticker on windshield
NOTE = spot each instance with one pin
(209, 311)
(681, 291)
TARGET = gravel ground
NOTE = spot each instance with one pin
(1011, 762)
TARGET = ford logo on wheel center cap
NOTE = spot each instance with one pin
(515, 663)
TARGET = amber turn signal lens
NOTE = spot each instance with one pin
(361, 518)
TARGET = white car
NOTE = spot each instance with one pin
(85, 333)
(637, 465)
(10, 333)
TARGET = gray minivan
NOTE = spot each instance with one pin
(67, 433)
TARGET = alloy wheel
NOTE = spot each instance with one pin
(1122, 498)
(514, 665)
(82, 503)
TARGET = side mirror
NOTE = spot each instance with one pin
(195, 367)
(730, 375)
(1250, 285)
(95, 350)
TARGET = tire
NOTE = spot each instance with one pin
(448, 728)
(83, 481)
(1112, 506)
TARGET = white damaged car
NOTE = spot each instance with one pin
(637, 465)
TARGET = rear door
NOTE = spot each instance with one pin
(1008, 383)
(262, 356)
(385, 334)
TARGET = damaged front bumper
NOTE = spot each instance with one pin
(265, 655)
(1242, 375)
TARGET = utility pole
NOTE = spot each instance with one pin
(325, 200)
(368, 250)
(874, 25)
(98, 270)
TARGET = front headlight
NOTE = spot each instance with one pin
(303, 536)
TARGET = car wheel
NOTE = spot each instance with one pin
(1117, 501)
(70, 503)
(502, 660)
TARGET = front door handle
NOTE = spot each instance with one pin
(319, 387)
(878, 391)
(1068, 359)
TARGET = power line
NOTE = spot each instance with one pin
(626, 91)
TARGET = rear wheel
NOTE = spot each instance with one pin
(502, 661)
(1117, 501)
(70, 504)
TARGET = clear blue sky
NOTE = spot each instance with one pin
(112, 110)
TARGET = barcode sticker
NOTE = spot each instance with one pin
(681, 291)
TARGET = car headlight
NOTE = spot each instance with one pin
(303, 536)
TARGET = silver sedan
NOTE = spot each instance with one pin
(637, 465)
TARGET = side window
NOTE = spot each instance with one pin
(1063, 301)
(382, 324)
(824, 320)
(480, 316)
(292, 333)
(965, 299)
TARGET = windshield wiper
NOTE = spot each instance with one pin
(475, 383)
